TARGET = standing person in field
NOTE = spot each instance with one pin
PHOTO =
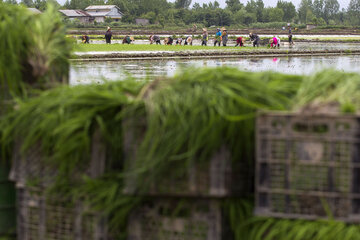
(291, 42)
(205, 37)
(108, 35)
(240, 42)
(224, 36)
(255, 39)
(217, 39)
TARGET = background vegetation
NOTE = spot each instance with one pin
(236, 13)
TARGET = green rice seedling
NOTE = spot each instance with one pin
(186, 119)
(34, 49)
(329, 87)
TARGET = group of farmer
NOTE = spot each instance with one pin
(221, 36)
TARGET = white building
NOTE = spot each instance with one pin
(83, 16)
(101, 12)
(34, 10)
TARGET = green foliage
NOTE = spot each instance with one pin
(35, 51)
(330, 87)
(176, 122)
(354, 12)
(187, 119)
(288, 9)
(273, 14)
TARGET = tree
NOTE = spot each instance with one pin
(27, 3)
(14, 2)
(288, 9)
(214, 5)
(251, 6)
(196, 6)
(273, 14)
(259, 10)
(40, 4)
(354, 12)
(331, 8)
(305, 11)
(318, 8)
(182, 4)
(234, 5)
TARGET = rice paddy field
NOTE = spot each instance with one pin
(147, 47)
(85, 72)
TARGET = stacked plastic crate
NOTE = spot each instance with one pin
(308, 166)
(42, 216)
(189, 205)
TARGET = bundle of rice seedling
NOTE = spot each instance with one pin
(329, 91)
(194, 114)
(34, 50)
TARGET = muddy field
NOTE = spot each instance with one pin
(210, 54)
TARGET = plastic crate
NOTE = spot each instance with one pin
(308, 166)
(41, 218)
(32, 167)
(219, 176)
(164, 219)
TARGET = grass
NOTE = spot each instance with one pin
(153, 47)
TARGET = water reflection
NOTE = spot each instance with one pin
(88, 72)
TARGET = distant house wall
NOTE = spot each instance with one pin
(114, 14)
(100, 19)
(142, 21)
(310, 26)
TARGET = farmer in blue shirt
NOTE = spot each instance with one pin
(217, 37)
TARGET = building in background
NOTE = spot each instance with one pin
(101, 12)
(81, 15)
(34, 10)
(142, 21)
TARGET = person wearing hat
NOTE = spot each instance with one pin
(224, 37)
(168, 41)
(217, 39)
(108, 35)
(205, 37)
(291, 42)
(188, 41)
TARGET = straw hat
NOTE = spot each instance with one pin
(205, 29)
(108, 28)
(224, 29)
(132, 38)
(189, 39)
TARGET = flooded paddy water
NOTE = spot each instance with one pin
(97, 71)
(298, 45)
